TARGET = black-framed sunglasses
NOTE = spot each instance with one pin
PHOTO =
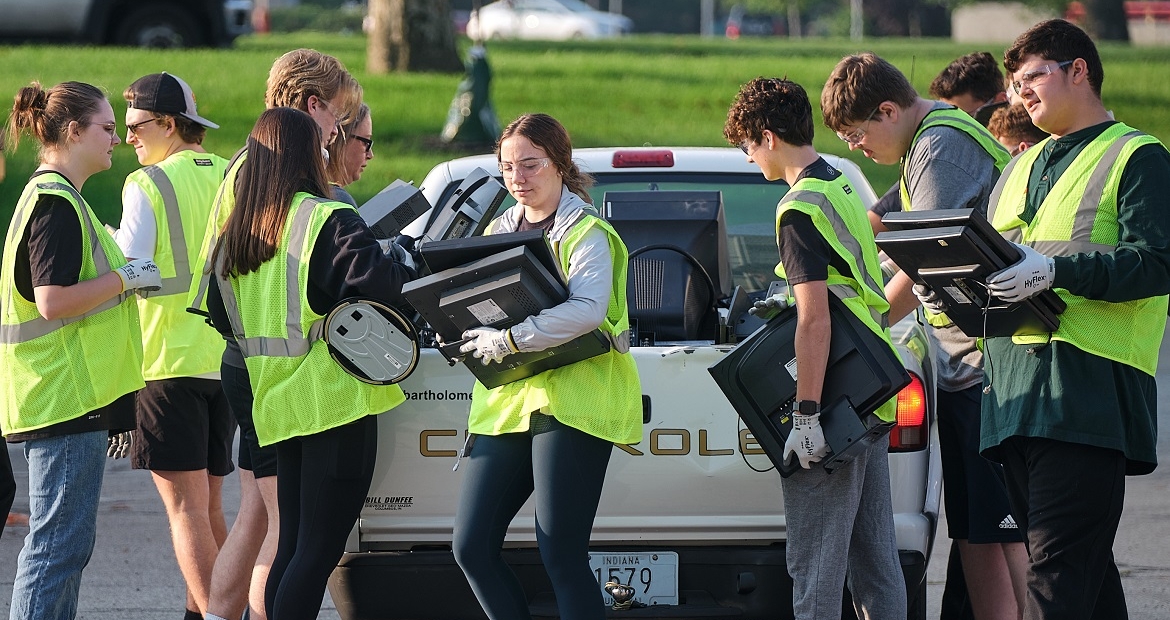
(133, 129)
(367, 142)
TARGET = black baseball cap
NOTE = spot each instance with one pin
(166, 94)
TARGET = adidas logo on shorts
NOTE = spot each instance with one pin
(1008, 523)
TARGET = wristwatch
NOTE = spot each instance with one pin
(806, 407)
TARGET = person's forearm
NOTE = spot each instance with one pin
(63, 302)
(813, 333)
(900, 294)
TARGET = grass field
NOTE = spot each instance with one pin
(658, 90)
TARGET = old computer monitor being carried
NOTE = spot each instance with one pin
(953, 251)
(497, 281)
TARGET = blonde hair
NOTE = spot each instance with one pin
(303, 73)
(336, 166)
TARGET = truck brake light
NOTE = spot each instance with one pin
(659, 158)
(910, 432)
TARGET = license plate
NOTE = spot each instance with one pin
(653, 575)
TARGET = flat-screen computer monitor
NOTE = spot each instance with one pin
(758, 377)
(679, 268)
(953, 251)
(468, 210)
(500, 290)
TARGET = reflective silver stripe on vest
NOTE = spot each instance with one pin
(296, 345)
(1087, 209)
(40, 326)
(198, 301)
(620, 342)
(181, 282)
(845, 236)
(993, 201)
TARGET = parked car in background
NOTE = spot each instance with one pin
(139, 23)
(545, 19)
(692, 516)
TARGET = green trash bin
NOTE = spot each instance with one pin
(471, 119)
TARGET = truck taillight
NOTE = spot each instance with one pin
(910, 432)
(657, 158)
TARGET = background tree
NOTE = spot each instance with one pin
(411, 35)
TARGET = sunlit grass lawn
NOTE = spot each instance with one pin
(659, 90)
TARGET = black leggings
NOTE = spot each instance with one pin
(565, 468)
(321, 484)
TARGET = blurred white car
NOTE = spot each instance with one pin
(545, 19)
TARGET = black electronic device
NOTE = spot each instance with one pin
(393, 209)
(953, 251)
(443, 255)
(758, 377)
(500, 291)
(468, 210)
(679, 268)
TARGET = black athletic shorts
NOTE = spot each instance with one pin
(973, 487)
(184, 424)
(260, 461)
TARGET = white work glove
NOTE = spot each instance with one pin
(1030, 275)
(807, 440)
(141, 274)
(769, 307)
(929, 300)
(487, 344)
(118, 446)
(397, 252)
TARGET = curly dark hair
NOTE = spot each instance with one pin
(774, 104)
(976, 74)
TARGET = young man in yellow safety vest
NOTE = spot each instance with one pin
(1071, 413)
(948, 161)
(840, 522)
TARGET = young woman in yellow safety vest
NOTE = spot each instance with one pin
(286, 257)
(550, 435)
(70, 347)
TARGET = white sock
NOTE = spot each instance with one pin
(211, 616)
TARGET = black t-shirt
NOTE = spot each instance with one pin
(546, 224)
(49, 254)
(803, 251)
(346, 262)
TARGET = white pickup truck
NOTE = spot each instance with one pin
(692, 517)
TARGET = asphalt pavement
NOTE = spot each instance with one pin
(133, 574)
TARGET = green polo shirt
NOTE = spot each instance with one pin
(1056, 390)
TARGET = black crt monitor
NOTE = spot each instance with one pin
(468, 210)
(953, 251)
(499, 291)
(758, 377)
(443, 255)
(679, 269)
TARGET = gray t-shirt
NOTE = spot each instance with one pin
(947, 169)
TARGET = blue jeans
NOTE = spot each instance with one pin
(64, 483)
